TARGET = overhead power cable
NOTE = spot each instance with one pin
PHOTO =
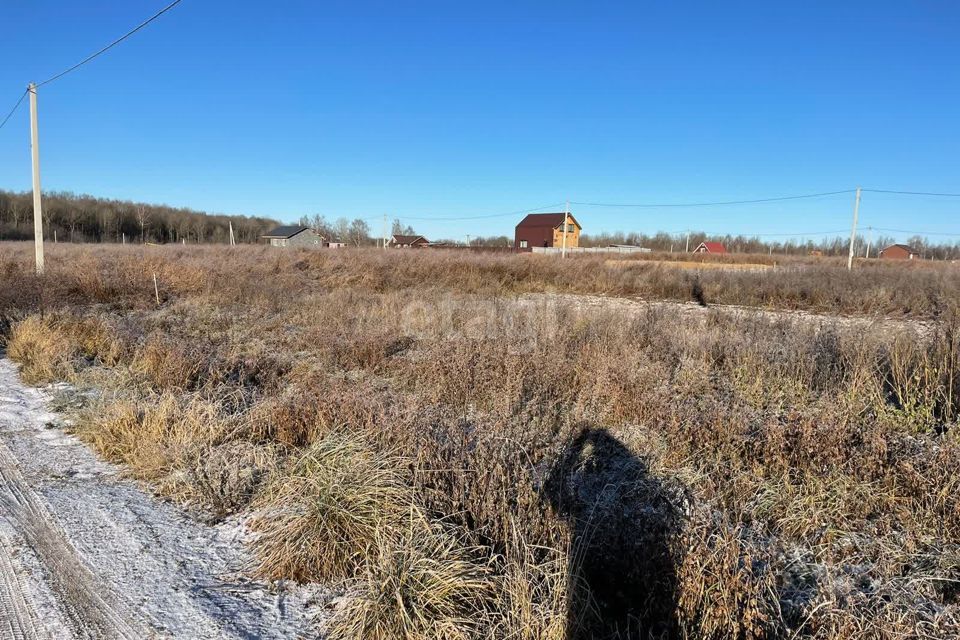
(645, 205)
(484, 217)
(15, 107)
(915, 232)
(112, 44)
(915, 193)
(755, 235)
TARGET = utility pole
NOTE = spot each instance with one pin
(688, 242)
(232, 241)
(37, 204)
(853, 229)
(869, 240)
(566, 214)
(383, 239)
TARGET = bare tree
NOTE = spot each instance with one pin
(143, 219)
(342, 229)
(359, 232)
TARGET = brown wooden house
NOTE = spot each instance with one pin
(413, 242)
(898, 252)
(547, 230)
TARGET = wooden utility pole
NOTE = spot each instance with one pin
(566, 214)
(853, 229)
(869, 240)
(37, 204)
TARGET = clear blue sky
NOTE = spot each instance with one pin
(434, 109)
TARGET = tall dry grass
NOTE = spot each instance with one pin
(474, 465)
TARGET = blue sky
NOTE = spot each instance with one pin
(444, 109)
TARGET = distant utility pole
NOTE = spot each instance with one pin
(869, 240)
(233, 242)
(853, 229)
(687, 250)
(383, 238)
(566, 214)
(37, 204)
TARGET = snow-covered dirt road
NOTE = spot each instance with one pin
(87, 554)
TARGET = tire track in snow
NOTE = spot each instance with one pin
(155, 568)
(18, 617)
(93, 610)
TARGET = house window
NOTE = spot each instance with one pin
(523, 244)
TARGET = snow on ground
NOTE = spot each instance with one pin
(86, 553)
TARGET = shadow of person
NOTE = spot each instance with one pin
(624, 528)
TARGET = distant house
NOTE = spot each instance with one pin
(547, 230)
(293, 235)
(710, 247)
(400, 241)
(898, 252)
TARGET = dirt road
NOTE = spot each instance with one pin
(87, 554)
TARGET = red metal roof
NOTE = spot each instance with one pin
(714, 247)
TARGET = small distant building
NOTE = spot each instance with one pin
(547, 230)
(898, 252)
(335, 245)
(710, 247)
(411, 242)
(293, 235)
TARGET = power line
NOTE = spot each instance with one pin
(15, 107)
(713, 204)
(112, 44)
(752, 235)
(915, 232)
(915, 193)
(484, 217)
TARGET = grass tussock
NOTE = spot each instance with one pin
(422, 584)
(471, 461)
(53, 348)
(323, 516)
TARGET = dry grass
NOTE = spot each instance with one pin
(324, 516)
(691, 265)
(420, 585)
(479, 467)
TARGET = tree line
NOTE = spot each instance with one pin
(827, 246)
(68, 217)
(356, 232)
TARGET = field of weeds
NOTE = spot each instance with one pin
(463, 465)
